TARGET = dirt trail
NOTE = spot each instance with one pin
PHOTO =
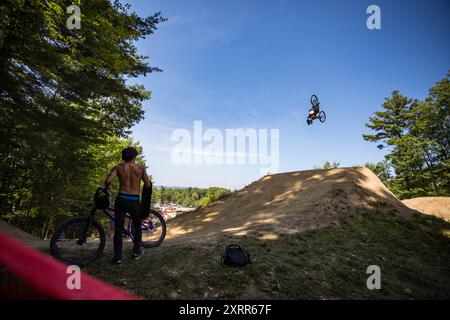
(287, 203)
(436, 206)
(20, 235)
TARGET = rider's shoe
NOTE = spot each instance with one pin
(116, 261)
(137, 256)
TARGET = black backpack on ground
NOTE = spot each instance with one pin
(234, 255)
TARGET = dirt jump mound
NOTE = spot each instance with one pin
(287, 203)
(436, 206)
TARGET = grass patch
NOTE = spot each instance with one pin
(330, 263)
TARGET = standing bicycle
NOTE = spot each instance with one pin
(81, 240)
(127, 205)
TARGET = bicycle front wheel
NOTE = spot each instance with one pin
(314, 100)
(78, 241)
(153, 230)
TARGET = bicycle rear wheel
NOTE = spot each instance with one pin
(78, 241)
(153, 230)
(322, 116)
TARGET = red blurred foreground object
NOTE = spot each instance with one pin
(46, 278)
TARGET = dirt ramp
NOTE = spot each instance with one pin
(436, 206)
(22, 236)
(287, 203)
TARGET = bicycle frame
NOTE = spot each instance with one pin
(83, 237)
(83, 224)
(146, 225)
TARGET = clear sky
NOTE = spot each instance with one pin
(254, 64)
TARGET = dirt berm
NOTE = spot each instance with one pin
(436, 206)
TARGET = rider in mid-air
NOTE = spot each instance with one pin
(130, 175)
(314, 112)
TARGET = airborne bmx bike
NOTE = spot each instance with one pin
(81, 240)
(314, 112)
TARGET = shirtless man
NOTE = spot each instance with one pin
(130, 175)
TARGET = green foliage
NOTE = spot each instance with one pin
(418, 136)
(65, 102)
(188, 197)
(328, 165)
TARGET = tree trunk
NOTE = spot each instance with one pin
(44, 228)
(48, 227)
(431, 173)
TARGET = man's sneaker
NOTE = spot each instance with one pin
(116, 261)
(137, 256)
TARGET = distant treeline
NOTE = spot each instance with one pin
(188, 197)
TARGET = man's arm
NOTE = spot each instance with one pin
(110, 177)
(145, 178)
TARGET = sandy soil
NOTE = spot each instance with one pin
(287, 203)
(436, 206)
(23, 236)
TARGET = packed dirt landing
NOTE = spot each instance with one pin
(287, 203)
(436, 206)
(22, 236)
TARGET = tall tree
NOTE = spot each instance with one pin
(418, 134)
(63, 91)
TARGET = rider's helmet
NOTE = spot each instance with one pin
(101, 198)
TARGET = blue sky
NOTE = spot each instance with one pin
(254, 64)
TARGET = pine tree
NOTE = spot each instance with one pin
(417, 134)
